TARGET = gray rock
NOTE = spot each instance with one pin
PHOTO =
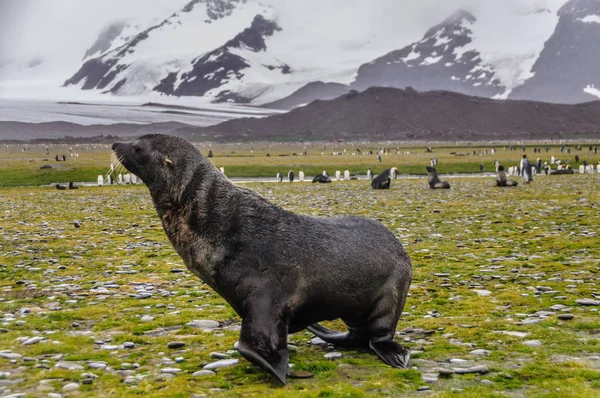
(333, 355)
(424, 388)
(221, 364)
(147, 318)
(533, 343)
(71, 387)
(204, 324)
(531, 321)
(317, 341)
(588, 302)
(10, 355)
(97, 365)
(219, 355)
(480, 352)
(482, 369)
(565, 317)
(68, 365)
(170, 370)
(514, 334)
(129, 345)
(445, 372)
(202, 373)
(32, 340)
(175, 344)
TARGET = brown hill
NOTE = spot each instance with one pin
(388, 113)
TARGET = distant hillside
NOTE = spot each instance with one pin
(388, 113)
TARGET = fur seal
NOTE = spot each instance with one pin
(434, 180)
(562, 171)
(244, 247)
(501, 179)
(321, 179)
(383, 180)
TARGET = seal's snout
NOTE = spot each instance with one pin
(116, 145)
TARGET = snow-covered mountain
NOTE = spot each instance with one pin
(441, 60)
(224, 70)
(568, 69)
(281, 52)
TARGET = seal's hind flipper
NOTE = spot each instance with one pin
(347, 339)
(391, 353)
(263, 338)
(277, 365)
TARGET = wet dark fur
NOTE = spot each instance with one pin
(501, 179)
(281, 272)
(383, 180)
(320, 178)
(434, 180)
(561, 172)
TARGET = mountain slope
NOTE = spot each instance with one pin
(569, 62)
(388, 113)
(285, 54)
(227, 63)
(309, 93)
(144, 61)
(439, 61)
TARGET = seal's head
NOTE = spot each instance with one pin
(430, 169)
(165, 163)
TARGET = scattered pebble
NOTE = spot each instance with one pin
(221, 364)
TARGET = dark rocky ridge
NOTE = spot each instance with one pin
(58, 130)
(388, 113)
(308, 93)
(570, 59)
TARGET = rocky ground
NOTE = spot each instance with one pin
(504, 302)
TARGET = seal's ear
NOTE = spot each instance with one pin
(169, 162)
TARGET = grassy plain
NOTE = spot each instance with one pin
(20, 165)
(486, 262)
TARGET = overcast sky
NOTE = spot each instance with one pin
(61, 30)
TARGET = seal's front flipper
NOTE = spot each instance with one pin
(263, 338)
(391, 353)
(347, 339)
(277, 364)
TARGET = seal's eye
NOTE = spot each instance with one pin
(137, 149)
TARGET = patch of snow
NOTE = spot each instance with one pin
(591, 89)
(454, 78)
(459, 52)
(431, 60)
(442, 41)
(590, 19)
(412, 55)
(524, 32)
(502, 96)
